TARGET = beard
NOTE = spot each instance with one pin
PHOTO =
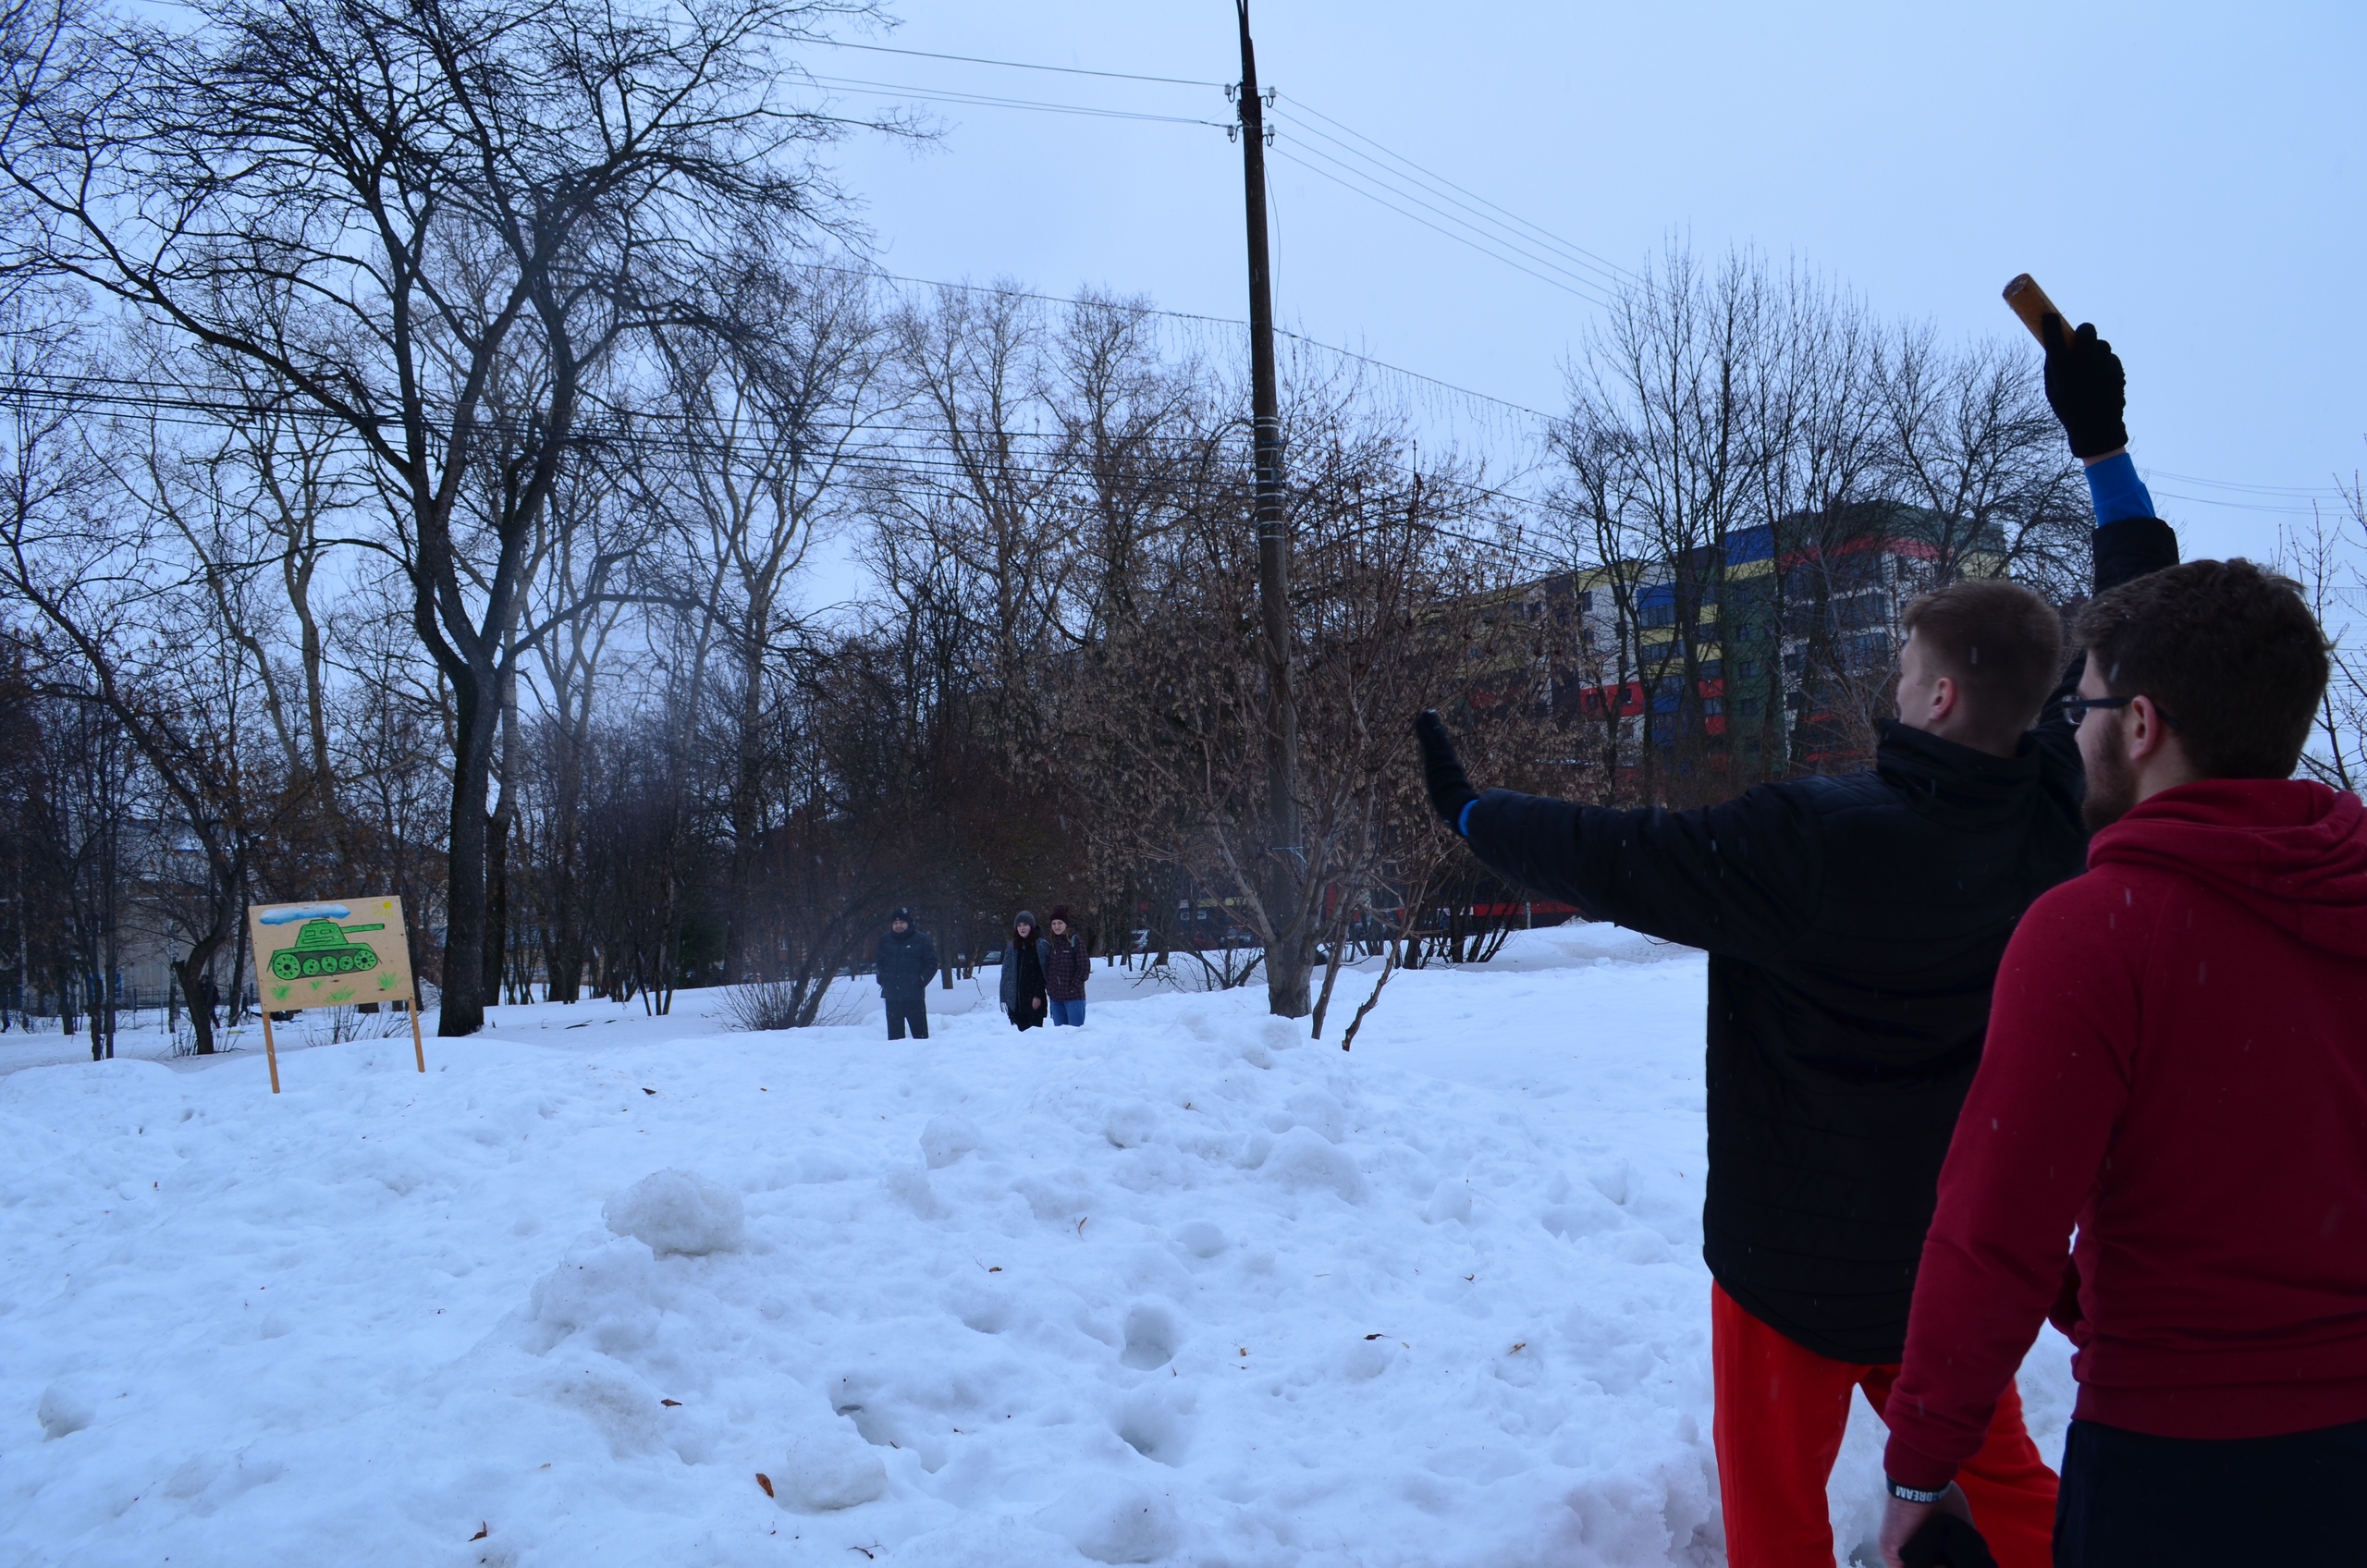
(2111, 790)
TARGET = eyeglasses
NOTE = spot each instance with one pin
(2076, 710)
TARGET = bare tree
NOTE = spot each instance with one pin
(1169, 718)
(434, 224)
(766, 422)
(99, 622)
(2329, 560)
(1666, 448)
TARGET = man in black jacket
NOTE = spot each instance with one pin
(906, 961)
(1853, 927)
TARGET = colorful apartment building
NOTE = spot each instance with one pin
(1766, 653)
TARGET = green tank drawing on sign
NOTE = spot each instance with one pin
(320, 948)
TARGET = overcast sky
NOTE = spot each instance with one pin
(2188, 177)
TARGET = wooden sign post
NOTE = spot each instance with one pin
(331, 953)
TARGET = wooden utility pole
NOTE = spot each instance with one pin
(1285, 971)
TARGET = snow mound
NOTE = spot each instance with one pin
(948, 1138)
(676, 1212)
(1115, 1523)
(831, 1470)
(62, 1412)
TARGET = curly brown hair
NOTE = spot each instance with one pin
(2231, 654)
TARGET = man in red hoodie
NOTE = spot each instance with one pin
(2177, 1065)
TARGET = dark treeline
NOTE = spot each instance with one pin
(436, 463)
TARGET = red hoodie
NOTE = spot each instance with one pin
(2177, 1062)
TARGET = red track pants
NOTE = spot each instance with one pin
(1781, 1412)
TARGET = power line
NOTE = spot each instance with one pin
(1461, 230)
(1506, 403)
(1440, 228)
(1014, 64)
(1506, 218)
(900, 450)
(2311, 492)
(2278, 509)
(182, 407)
(1515, 233)
(984, 101)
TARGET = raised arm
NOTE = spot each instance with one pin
(2087, 389)
(1741, 878)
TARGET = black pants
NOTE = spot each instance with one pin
(912, 1010)
(2129, 1499)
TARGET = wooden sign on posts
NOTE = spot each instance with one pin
(331, 953)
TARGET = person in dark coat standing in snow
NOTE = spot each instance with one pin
(1853, 927)
(905, 962)
(1066, 967)
(1024, 957)
(2176, 1068)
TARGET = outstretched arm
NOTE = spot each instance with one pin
(1742, 878)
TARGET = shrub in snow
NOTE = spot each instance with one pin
(947, 1139)
(762, 1005)
(830, 1470)
(62, 1411)
(1301, 1159)
(1110, 1521)
(675, 1211)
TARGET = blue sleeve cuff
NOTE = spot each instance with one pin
(1463, 819)
(2118, 492)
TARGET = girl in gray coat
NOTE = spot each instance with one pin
(1023, 973)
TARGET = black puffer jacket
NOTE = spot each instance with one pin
(1853, 927)
(906, 963)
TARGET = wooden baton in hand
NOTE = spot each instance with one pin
(2028, 300)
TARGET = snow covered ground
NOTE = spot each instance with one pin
(1178, 1287)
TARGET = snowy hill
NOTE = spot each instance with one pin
(1181, 1286)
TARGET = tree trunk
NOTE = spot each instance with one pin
(563, 946)
(464, 874)
(188, 975)
(497, 898)
(746, 804)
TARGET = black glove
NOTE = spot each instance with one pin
(2086, 388)
(1443, 770)
(1946, 1541)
